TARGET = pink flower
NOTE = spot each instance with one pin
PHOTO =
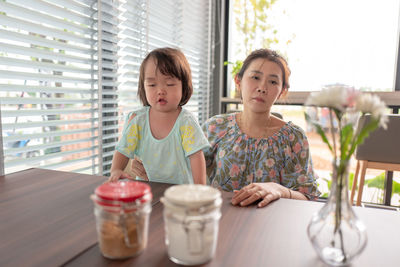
(236, 148)
(352, 95)
(276, 149)
(238, 140)
(265, 146)
(297, 148)
(298, 167)
(270, 162)
(272, 173)
(243, 167)
(212, 128)
(235, 184)
(221, 133)
(287, 151)
(259, 173)
(219, 164)
(301, 179)
(234, 171)
(249, 178)
(291, 137)
(219, 120)
(303, 154)
(221, 154)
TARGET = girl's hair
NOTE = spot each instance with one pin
(172, 62)
(272, 56)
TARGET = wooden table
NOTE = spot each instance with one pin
(46, 219)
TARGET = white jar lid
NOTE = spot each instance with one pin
(192, 195)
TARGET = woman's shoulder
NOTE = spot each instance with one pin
(294, 128)
(221, 119)
(292, 134)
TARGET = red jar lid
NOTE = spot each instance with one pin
(124, 191)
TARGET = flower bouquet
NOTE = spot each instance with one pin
(335, 231)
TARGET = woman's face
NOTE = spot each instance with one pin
(163, 93)
(261, 85)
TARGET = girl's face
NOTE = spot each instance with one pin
(163, 93)
(261, 85)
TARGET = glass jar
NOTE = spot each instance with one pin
(191, 219)
(122, 217)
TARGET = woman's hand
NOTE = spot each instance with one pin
(118, 174)
(266, 192)
(137, 168)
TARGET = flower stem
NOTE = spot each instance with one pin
(333, 134)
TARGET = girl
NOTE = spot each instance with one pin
(164, 136)
(253, 153)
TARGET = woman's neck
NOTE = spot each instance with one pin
(256, 125)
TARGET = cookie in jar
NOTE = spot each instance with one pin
(122, 212)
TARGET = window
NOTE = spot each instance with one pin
(352, 43)
(69, 73)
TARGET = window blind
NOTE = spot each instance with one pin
(48, 85)
(69, 74)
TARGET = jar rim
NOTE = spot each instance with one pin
(125, 192)
(192, 195)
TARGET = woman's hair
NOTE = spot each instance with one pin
(272, 56)
(172, 62)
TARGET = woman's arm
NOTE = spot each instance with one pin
(138, 169)
(198, 165)
(266, 192)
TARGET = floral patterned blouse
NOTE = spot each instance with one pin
(235, 160)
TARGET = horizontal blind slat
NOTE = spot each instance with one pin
(42, 112)
(40, 53)
(31, 100)
(16, 162)
(45, 89)
(54, 10)
(39, 29)
(14, 138)
(13, 151)
(40, 41)
(42, 77)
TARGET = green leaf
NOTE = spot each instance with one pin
(351, 179)
(346, 135)
(319, 129)
(365, 131)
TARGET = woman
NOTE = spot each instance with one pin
(254, 154)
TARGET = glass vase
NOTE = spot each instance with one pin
(335, 232)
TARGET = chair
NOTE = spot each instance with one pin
(380, 150)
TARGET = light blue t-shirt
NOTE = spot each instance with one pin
(166, 160)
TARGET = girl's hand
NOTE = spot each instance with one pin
(266, 192)
(118, 174)
(137, 168)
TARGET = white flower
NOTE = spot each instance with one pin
(372, 104)
(331, 97)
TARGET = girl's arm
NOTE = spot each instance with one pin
(198, 165)
(117, 167)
